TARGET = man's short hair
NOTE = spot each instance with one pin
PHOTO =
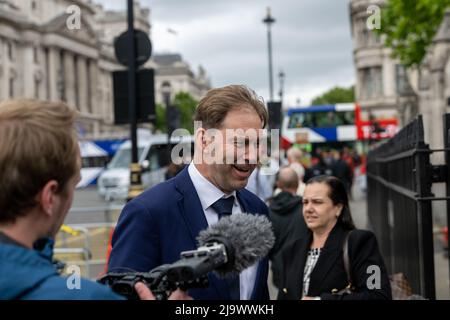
(287, 178)
(295, 154)
(38, 143)
(213, 108)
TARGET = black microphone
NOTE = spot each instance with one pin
(228, 247)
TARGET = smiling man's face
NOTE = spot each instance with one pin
(241, 131)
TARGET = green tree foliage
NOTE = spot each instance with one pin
(335, 95)
(186, 104)
(161, 123)
(409, 27)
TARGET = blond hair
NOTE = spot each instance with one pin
(38, 143)
(214, 107)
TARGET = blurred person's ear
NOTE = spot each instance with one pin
(339, 207)
(279, 184)
(47, 197)
(200, 137)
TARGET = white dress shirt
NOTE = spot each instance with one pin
(208, 194)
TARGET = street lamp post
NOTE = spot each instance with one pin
(132, 81)
(269, 20)
(166, 90)
(135, 168)
(281, 76)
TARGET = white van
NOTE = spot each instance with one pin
(93, 159)
(154, 157)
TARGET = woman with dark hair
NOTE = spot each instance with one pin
(314, 266)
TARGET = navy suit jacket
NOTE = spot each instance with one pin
(157, 225)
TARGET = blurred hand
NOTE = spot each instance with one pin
(307, 298)
(145, 293)
(180, 295)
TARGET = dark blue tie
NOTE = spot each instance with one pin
(224, 207)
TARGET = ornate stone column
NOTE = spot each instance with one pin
(52, 70)
(69, 79)
(94, 88)
(27, 63)
(82, 84)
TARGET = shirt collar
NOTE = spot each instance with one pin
(44, 246)
(207, 192)
(7, 240)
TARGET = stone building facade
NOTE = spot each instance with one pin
(173, 70)
(405, 92)
(383, 86)
(44, 55)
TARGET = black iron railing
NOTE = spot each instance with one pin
(400, 177)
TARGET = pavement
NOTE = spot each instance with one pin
(358, 206)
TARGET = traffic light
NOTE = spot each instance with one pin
(173, 116)
(145, 103)
(274, 109)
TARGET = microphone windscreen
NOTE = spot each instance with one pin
(251, 237)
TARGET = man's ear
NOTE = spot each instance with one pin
(203, 138)
(46, 197)
(278, 184)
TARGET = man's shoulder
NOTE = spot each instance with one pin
(159, 194)
(253, 200)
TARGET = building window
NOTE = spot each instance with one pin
(366, 37)
(371, 82)
(61, 77)
(9, 47)
(401, 79)
(376, 38)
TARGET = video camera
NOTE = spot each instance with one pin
(227, 248)
(187, 273)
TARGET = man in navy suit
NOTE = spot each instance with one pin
(165, 220)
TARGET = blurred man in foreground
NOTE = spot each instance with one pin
(39, 169)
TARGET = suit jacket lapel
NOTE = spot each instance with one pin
(194, 217)
(327, 260)
(243, 202)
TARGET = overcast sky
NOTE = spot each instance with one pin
(311, 41)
